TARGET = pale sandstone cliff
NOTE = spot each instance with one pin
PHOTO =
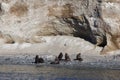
(28, 21)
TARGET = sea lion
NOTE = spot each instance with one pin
(67, 58)
(38, 60)
(78, 57)
(56, 61)
(60, 56)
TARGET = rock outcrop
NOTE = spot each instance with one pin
(96, 21)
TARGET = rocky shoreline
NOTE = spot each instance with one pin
(102, 62)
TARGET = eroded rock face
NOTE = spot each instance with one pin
(28, 20)
(111, 16)
(19, 9)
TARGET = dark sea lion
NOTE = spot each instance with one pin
(67, 58)
(60, 56)
(38, 60)
(56, 61)
(78, 57)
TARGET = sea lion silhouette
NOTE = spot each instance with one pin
(60, 56)
(78, 57)
(56, 61)
(67, 58)
(38, 60)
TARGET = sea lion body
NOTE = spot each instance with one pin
(78, 57)
(38, 60)
(56, 61)
(60, 56)
(67, 58)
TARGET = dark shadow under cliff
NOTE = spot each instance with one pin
(82, 27)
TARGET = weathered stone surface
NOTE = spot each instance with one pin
(96, 21)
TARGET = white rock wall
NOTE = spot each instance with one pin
(24, 21)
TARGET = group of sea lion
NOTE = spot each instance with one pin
(38, 60)
(59, 58)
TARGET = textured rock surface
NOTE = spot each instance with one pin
(95, 21)
(110, 13)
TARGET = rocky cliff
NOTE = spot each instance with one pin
(28, 21)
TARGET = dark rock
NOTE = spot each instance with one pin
(82, 28)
